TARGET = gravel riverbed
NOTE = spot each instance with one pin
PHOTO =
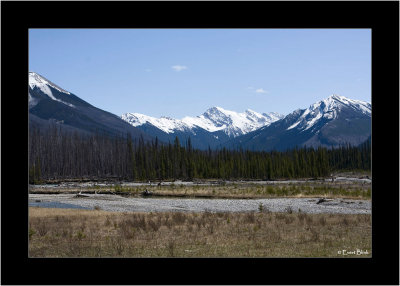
(83, 185)
(133, 204)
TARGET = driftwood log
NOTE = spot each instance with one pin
(146, 193)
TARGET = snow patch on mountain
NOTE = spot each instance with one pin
(214, 119)
(328, 109)
(36, 80)
(166, 124)
(232, 123)
(273, 116)
(31, 101)
(293, 125)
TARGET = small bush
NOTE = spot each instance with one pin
(314, 235)
(154, 225)
(42, 228)
(178, 218)
(31, 232)
(118, 188)
(250, 217)
(118, 245)
(301, 217)
(107, 222)
(289, 210)
(280, 216)
(126, 230)
(210, 228)
(80, 235)
(289, 219)
(171, 248)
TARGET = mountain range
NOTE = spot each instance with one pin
(49, 104)
(212, 128)
(332, 122)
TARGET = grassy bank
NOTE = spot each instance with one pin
(232, 190)
(86, 233)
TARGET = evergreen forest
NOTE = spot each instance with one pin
(57, 155)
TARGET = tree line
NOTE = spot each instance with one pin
(55, 155)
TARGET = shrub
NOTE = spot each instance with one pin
(309, 220)
(154, 225)
(301, 217)
(289, 219)
(171, 248)
(108, 221)
(42, 228)
(127, 231)
(314, 235)
(31, 232)
(117, 188)
(250, 217)
(80, 235)
(178, 218)
(289, 210)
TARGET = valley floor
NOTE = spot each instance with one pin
(118, 203)
(303, 218)
(97, 233)
(343, 186)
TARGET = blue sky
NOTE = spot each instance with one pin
(183, 72)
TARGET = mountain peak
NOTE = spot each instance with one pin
(250, 111)
(328, 109)
(336, 97)
(49, 104)
(37, 80)
(215, 109)
(213, 119)
(344, 100)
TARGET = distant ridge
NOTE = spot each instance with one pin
(331, 122)
(50, 104)
(210, 129)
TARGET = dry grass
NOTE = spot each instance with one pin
(244, 190)
(96, 233)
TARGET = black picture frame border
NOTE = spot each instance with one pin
(381, 17)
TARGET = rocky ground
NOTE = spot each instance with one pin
(129, 204)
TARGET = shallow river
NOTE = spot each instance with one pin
(123, 204)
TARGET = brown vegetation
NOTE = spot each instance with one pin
(96, 233)
(239, 190)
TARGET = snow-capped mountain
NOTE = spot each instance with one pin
(329, 109)
(166, 124)
(50, 104)
(333, 121)
(214, 119)
(232, 123)
(210, 129)
(45, 86)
